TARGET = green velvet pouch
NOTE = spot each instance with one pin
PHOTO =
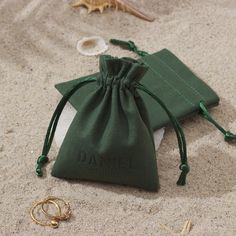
(110, 139)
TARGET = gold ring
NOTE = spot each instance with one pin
(53, 223)
(62, 216)
(50, 216)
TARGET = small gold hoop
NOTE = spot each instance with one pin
(63, 216)
(53, 223)
(50, 216)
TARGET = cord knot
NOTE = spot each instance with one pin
(230, 136)
(182, 179)
(40, 163)
(185, 168)
(204, 112)
(132, 46)
(42, 159)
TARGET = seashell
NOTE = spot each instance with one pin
(100, 5)
(92, 46)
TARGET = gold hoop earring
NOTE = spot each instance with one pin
(53, 223)
(54, 219)
(63, 216)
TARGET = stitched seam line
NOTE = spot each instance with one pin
(182, 79)
(165, 81)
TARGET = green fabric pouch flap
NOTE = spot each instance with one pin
(169, 79)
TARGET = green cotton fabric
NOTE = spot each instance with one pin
(169, 79)
(110, 139)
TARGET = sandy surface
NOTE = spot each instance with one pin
(38, 49)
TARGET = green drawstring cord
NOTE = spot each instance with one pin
(184, 167)
(204, 112)
(130, 45)
(43, 159)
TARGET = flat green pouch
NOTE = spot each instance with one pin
(168, 78)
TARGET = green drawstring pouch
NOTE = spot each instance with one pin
(110, 139)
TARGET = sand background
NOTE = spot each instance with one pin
(38, 49)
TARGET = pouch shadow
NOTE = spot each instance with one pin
(212, 174)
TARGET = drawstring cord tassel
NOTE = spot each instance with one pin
(184, 167)
(129, 45)
(229, 137)
(182, 179)
(43, 159)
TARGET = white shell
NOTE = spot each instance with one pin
(92, 46)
